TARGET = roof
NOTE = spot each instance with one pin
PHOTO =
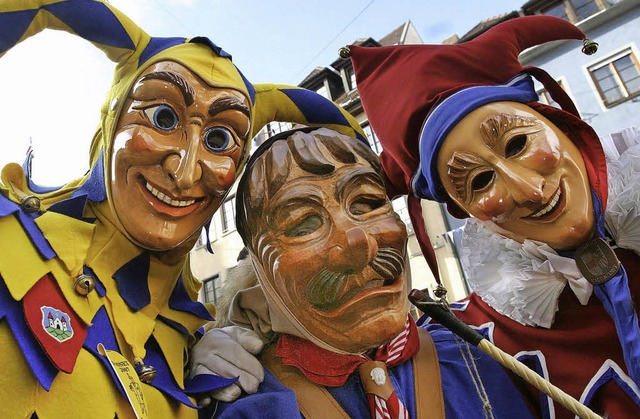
(318, 73)
(486, 24)
(395, 36)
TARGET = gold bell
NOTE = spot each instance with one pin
(344, 52)
(84, 284)
(589, 47)
(30, 203)
(146, 373)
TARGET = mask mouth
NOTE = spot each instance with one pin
(552, 209)
(167, 203)
(328, 304)
(328, 291)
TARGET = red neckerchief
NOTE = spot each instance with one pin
(332, 369)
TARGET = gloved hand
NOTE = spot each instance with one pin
(229, 352)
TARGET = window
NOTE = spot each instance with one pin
(352, 78)
(202, 241)
(545, 97)
(400, 207)
(574, 10)
(274, 128)
(211, 288)
(229, 215)
(322, 91)
(374, 142)
(618, 78)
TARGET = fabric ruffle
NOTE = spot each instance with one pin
(622, 217)
(519, 280)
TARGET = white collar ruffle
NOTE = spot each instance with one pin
(523, 281)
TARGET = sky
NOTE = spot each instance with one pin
(53, 84)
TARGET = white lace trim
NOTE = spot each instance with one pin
(524, 280)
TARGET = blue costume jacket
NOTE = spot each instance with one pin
(274, 400)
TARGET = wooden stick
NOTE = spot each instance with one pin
(443, 316)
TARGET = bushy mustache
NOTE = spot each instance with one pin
(326, 287)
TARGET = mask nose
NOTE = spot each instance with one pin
(354, 254)
(524, 185)
(184, 167)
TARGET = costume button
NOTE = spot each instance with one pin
(378, 376)
(84, 284)
(30, 203)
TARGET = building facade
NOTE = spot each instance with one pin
(604, 86)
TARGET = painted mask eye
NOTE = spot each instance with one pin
(365, 205)
(162, 117)
(481, 180)
(218, 139)
(516, 145)
(306, 226)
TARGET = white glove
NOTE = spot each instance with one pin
(229, 352)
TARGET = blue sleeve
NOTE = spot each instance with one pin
(464, 389)
(272, 401)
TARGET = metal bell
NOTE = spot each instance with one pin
(84, 284)
(440, 291)
(146, 373)
(30, 203)
(344, 52)
(441, 294)
(589, 47)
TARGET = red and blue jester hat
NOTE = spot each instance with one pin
(415, 94)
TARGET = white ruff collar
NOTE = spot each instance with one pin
(523, 281)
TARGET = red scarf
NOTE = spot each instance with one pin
(331, 369)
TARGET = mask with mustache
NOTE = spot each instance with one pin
(327, 289)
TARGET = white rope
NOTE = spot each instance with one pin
(537, 381)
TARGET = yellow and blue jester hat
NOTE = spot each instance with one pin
(133, 50)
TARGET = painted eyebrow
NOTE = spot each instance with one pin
(496, 126)
(360, 172)
(175, 79)
(227, 103)
(460, 165)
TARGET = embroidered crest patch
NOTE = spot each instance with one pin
(54, 324)
(57, 323)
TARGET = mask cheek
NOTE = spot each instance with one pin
(491, 207)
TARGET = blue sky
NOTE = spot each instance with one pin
(53, 84)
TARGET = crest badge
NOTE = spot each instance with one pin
(57, 328)
(56, 323)
(597, 261)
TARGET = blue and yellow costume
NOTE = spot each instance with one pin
(79, 301)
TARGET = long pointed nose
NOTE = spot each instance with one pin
(354, 254)
(524, 185)
(185, 168)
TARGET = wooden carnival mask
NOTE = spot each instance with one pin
(328, 247)
(177, 147)
(507, 164)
